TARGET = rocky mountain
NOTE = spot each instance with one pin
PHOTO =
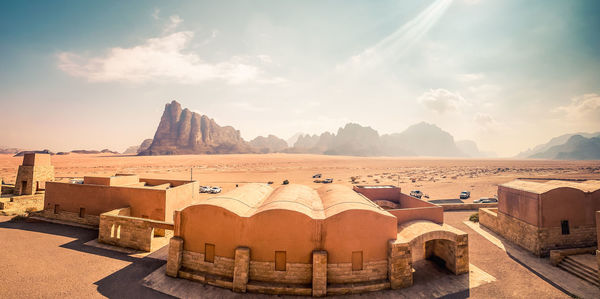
(136, 149)
(22, 153)
(269, 144)
(292, 140)
(577, 147)
(562, 139)
(10, 150)
(186, 132)
(422, 139)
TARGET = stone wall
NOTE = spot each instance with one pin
(222, 266)
(90, 220)
(399, 265)
(32, 175)
(21, 204)
(343, 273)
(537, 240)
(466, 206)
(294, 273)
(119, 229)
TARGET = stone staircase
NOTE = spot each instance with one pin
(580, 270)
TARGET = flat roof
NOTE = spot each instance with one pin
(543, 187)
(376, 186)
(328, 200)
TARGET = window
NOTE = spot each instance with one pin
(56, 208)
(280, 260)
(209, 253)
(564, 225)
(81, 212)
(357, 260)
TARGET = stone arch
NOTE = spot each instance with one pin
(439, 242)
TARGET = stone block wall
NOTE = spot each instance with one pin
(119, 229)
(537, 240)
(399, 265)
(294, 273)
(195, 261)
(241, 269)
(32, 175)
(319, 275)
(343, 273)
(455, 254)
(90, 220)
(23, 203)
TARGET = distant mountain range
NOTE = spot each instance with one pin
(577, 147)
(181, 131)
(562, 139)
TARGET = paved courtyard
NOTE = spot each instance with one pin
(51, 260)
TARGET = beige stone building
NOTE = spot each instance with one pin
(545, 215)
(27, 195)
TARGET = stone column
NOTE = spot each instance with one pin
(241, 269)
(319, 274)
(399, 265)
(461, 254)
(175, 256)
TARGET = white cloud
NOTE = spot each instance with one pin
(441, 100)
(583, 108)
(174, 22)
(163, 59)
(470, 77)
(156, 14)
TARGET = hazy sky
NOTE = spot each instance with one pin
(96, 74)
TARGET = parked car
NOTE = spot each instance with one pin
(215, 190)
(465, 195)
(486, 200)
(327, 181)
(204, 189)
(416, 193)
(317, 176)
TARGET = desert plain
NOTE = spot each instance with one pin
(437, 178)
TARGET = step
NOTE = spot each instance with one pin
(358, 287)
(274, 288)
(584, 267)
(576, 272)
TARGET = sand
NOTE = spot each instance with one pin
(437, 178)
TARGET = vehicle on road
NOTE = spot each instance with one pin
(317, 176)
(486, 200)
(465, 195)
(416, 193)
(327, 181)
(215, 190)
(204, 189)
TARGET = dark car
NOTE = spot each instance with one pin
(465, 195)
(317, 176)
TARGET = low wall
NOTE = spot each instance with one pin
(556, 256)
(432, 213)
(467, 206)
(89, 220)
(119, 229)
(22, 203)
(317, 278)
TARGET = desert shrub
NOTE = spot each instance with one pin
(30, 210)
(474, 217)
(18, 218)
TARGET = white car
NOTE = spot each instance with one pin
(416, 193)
(215, 190)
(205, 189)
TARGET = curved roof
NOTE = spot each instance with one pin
(539, 188)
(326, 201)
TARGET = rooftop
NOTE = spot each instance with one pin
(543, 187)
(326, 201)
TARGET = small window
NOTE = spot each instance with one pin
(119, 232)
(357, 260)
(280, 260)
(564, 224)
(112, 231)
(56, 209)
(209, 253)
(81, 212)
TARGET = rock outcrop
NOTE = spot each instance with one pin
(577, 147)
(183, 132)
(269, 144)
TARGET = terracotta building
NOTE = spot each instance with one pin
(129, 211)
(542, 216)
(294, 239)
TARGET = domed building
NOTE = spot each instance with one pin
(290, 240)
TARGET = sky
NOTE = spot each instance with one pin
(506, 74)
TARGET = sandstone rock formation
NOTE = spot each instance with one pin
(269, 144)
(184, 132)
(577, 147)
(136, 149)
